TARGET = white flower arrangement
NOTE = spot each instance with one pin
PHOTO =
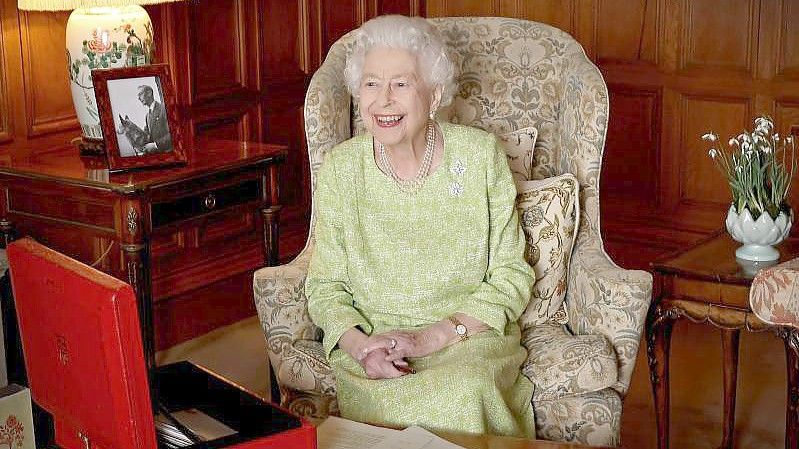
(758, 166)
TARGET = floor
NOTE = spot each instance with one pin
(238, 352)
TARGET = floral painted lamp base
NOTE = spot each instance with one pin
(758, 236)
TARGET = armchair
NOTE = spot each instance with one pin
(513, 74)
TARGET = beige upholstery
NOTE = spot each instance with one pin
(514, 74)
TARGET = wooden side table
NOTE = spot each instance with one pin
(706, 284)
(186, 238)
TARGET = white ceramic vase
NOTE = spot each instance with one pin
(103, 38)
(758, 236)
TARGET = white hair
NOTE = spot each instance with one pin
(413, 34)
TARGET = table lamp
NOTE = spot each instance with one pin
(100, 34)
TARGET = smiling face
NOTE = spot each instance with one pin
(394, 99)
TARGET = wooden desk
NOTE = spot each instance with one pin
(495, 442)
(186, 238)
(707, 285)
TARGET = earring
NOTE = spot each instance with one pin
(432, 114)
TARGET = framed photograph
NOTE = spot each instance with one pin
(138, 114)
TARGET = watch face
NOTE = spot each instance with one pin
(460, 329)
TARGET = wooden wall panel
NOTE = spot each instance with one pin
(404, 7)
(230, 128)
(5, 111)
(630, 165)
(286, 39)
(457, 8)
(562, 14)
(627, 31)
(218, 59)
(720, 39)
(700, 181)
(48, 99)
(786, 117)
(788, 47)
(338, 18)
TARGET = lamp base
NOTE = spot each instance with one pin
(89, 147)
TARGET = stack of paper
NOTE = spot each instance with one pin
(339, 433)
(186, 427)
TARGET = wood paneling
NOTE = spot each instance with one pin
(701, 183)
(456, 8)
(5, 112)
(631, 162)
(286, 39)
(224, 49)
(720, 39)
(788, 48)
(337, 18)
(48, 99)
(562, 14)
(627, 31)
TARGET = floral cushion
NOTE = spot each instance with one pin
(562, 365)
(549, 213)
(593, 419)
(774, 297)
(519, 147)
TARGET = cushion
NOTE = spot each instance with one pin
(563, 365)
(773, 296)
(519, 147)
(549, 212)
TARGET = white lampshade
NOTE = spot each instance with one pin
(100, 34)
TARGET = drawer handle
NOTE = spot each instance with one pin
(210, 201)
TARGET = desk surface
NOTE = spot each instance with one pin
(63, 163)
(495, 442)
(714, 260)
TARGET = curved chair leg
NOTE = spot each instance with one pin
(658, 331)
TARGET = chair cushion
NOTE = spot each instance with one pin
(564, 365)
(549, 213)
(519, 147)
(774, 297)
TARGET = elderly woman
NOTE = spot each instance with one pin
(418, 276)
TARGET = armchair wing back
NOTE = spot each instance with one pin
(513, 74)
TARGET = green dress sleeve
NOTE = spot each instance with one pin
(327, 286)
(508, 282)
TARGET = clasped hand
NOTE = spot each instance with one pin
(383, 356)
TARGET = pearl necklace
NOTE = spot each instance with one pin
(412, 185)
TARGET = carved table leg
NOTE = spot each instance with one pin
(658, 330)
(271, 233)
(138, 272)
(729, 344)
(791, 338)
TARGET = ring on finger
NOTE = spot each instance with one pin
(392, 344)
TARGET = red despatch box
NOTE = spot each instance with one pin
(83, 352)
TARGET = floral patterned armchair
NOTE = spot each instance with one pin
(514, 74)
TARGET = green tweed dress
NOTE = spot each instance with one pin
(386, 259)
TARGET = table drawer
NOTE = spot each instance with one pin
(164, 213)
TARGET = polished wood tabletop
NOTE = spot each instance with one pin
(496, 442)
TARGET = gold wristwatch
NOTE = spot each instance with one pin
(460, 328)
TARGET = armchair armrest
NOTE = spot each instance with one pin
(603, 298)
(279, 294)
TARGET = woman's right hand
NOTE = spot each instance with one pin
(374, 363)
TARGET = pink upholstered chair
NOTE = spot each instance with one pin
(774, 298)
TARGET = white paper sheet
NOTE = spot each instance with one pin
(415, 437)
(339, 433)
